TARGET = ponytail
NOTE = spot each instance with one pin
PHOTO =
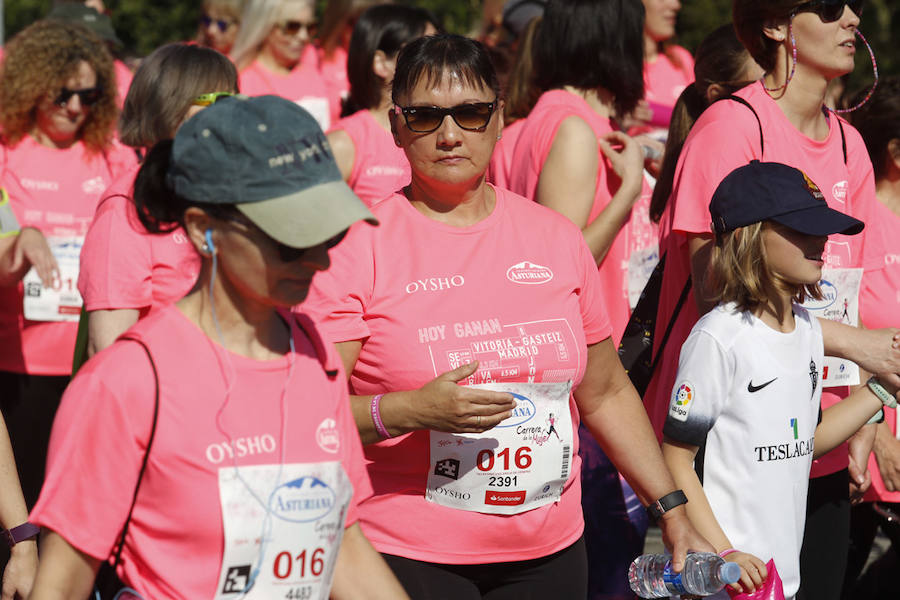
(159, 209)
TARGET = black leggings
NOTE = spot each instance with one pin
(826, 538)
(560, 575)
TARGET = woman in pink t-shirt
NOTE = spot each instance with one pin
(788, 123)
(227, 449)
(370, 161)
(274, 54)
(57, 155)
(668, 69)
(879, 124)
(466, 283)
(125, 271)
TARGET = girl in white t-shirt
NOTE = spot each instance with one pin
(749, 377)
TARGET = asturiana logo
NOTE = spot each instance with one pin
(529, 273)
(522, 413)
(302, 500)
(829, 295)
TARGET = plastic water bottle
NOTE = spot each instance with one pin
(704, 573)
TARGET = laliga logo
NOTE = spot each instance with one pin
(522, 413)
(829, 295)
(327, 436)
(529, 273)
(684, 395)
(302, 500)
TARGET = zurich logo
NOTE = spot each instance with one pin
(829, 295)
(302, 500)
(522, 413)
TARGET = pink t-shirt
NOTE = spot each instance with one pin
(518, 292)
(103, 424)
(380, 168)
(334, 73)
(725, 137)
(500, 167)
(530, 153)
(879, 306)
(303, 86)
(55, 191)
(664, 80)
(124, 266)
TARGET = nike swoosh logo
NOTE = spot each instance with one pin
(755, 388)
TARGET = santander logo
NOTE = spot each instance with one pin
(528, 273)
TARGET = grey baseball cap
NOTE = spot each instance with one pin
(268, 158)
(100, 24)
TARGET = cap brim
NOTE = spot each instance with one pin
(820, 220)
(309, 217)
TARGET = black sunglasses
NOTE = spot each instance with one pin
(294, 27)
(87, 96)
(425, 119)
(222, 24)
(830, 11)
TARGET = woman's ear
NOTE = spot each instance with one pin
(776, 30)
(392, 118)
(196, 224)
(382, 66)
(893, 155)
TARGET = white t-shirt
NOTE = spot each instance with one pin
(753, 394)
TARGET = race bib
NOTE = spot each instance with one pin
(283, 527)
(318, 108)
(61, 301)
(841, 303)
(519, 465)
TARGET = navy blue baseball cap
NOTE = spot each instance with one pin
(768, 191)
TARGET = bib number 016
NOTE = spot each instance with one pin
(283, 567)
(521, 458)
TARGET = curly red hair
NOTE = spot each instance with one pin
(38, 61)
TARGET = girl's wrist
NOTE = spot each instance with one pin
(726, 552)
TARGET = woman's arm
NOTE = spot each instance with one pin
(344, 151)
(64, 573)
(440, 404)
(23, 560)
(680, 460)
(104, 326)
(875, 350)
(568, 181)
(613, 412)
(361, 573)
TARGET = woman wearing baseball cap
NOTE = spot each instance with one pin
(217, 432)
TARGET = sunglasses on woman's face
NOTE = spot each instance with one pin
(473, 116)
(830, 11)
(87, 96)
(292, 28)
(221, 24)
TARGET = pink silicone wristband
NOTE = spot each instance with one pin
(376, 417)
(725, 553)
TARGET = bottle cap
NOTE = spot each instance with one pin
(730, 572)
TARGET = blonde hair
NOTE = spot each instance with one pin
(739, 270)
(233, 8)
(257, 21)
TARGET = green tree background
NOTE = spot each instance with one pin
(145, 24)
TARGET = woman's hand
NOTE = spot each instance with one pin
(887, 453)
(680, 536)
(627, 160)
(443, 405)
(753, 572)
(18, 578)
(31, 250)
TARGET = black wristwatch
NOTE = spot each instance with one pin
(20, 533)
(665, 504)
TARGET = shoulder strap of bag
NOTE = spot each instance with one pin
(739, 100)
(665, 337)
(121, 542)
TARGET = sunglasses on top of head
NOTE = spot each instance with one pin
(210, 98)
(87, 96)
(830, 11)
(292, 28)
(473, 116)
(221, 24)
